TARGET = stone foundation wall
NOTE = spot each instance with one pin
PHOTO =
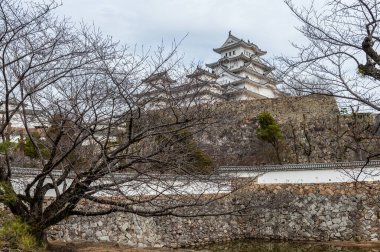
(128, 229)
(314, 131)
(291, 212)
(317, 212)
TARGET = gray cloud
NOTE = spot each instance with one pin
(268, 23)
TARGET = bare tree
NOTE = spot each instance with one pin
(99, 139)
(341, 57)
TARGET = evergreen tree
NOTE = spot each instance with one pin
(269, 131)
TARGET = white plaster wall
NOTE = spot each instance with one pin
(215, 90)
(225, 79)
(248, 52)
(205, 77)
(234, 64)
(238, 51)
(17, 122)
(218, 71)
(240, 98)
(267, 92)
(250, 76)
(319, 176)
(231, 65)
(312, 176)
(258, 69)
(252, 88)
(139, 187)
(261, 90)
(240, 63)
(241, 86)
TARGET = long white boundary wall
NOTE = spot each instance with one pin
(308, 173)
(136, 185)
(221, 181)
(319, 176)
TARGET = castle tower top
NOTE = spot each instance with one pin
(233, 42)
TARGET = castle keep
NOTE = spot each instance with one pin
(239, 74)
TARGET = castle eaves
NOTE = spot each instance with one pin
(234, 42)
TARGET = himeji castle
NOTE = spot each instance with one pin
(242, 72)
(239, 74)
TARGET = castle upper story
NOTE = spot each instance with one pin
(240, 67)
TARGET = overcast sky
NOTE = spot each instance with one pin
(267, 23)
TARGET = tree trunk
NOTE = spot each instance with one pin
(40, 235)
(277, 150)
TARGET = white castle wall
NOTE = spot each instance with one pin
(319, 176)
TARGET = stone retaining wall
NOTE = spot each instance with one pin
(292, 212)
(314, 131)
(318, 212)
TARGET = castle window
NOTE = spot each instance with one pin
(230, 53)
(233, 52)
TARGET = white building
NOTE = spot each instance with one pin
(239, 74)
(19, 117)
(242, 72)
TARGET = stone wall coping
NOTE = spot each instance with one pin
(220, 172)
(25, 172)
(300, 167)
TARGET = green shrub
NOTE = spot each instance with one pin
(16, 234)
(269, 131)
(199, 160)
(7, 195)
(196, 160)
(186, 153)
(6, 146)
(34, 150)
